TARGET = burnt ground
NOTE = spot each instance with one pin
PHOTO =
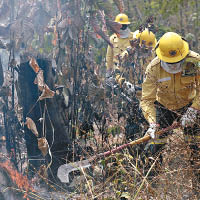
(173, 182)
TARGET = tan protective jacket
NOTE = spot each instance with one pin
(173, 91)
(119, 45)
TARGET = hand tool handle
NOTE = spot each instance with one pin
(138, 141)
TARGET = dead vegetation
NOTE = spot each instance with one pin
(56, 110)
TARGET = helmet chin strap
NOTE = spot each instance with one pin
(172, 68)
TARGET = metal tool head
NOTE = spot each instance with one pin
(64, 170)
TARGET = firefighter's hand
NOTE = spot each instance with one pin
(124, 55)
(152, 130)
(189, 118)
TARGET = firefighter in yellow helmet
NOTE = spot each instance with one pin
(147, 42)
(120, 42)
(114, 70)
(146, 39)
(171, 91)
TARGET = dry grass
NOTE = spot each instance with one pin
(121, 175)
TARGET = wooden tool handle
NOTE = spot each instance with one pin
(138, 141)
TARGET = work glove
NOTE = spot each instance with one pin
(152, 130)
(130, 88)
(189, 118)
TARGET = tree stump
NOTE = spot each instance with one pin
(54, 128)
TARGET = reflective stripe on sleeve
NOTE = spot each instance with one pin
(164, 79)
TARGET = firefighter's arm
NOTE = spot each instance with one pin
(196, 101)
(149, 94)
(109, 58)
(190, 116)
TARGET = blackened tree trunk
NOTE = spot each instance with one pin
(49, 110)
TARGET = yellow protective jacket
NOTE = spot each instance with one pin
(173, 91)
(119, 45)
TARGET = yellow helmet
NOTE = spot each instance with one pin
(122, 19)
(147, 36)
(172, 48)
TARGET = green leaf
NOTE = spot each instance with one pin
(103, 163)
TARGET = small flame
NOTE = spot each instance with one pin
(17, 178)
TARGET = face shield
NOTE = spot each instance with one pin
(172, 68)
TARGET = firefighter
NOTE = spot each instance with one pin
(146, 41)
(171, 92)
(120, 42)
(142, 49)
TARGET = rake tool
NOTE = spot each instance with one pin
(64, 170)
